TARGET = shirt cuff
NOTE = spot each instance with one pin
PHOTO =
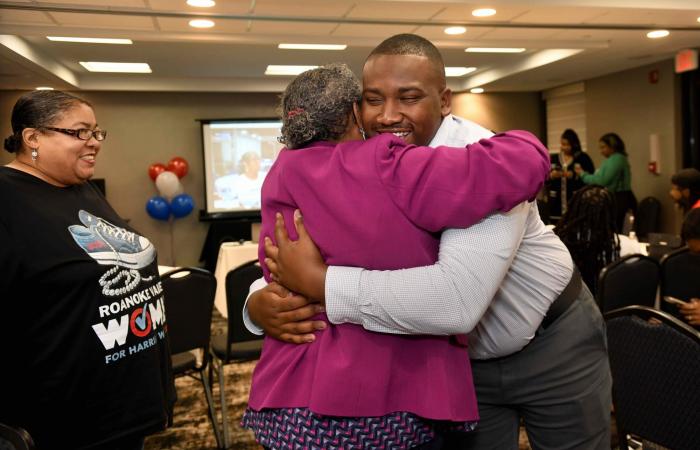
(249, 324)
(342, 294)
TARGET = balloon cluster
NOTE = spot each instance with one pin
(172, 199)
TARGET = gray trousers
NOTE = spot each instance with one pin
(559, 384)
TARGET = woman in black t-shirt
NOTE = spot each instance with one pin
(82, 321)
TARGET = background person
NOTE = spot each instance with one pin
(83, 368)
(588, 231)
(614, 175)
(685, 189)
(409, 193)
(242, 189)
(690, 232)
(564, 181)
(537, 340)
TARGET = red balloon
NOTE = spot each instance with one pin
(156, 169)
(178, 166)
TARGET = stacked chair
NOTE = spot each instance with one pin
(238, 344)
(189, 298)
(655, 365)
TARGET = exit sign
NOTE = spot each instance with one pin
(686, 60)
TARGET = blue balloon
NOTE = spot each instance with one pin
(181, 205)
(158, 208)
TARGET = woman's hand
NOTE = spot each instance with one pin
(297, 265)
(554, 174)
(691, 311)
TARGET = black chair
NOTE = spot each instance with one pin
(680, 277)
(631, 280)
(189, 298)
(655, 367)
(647, 218)
(13, 438)
(238, 345)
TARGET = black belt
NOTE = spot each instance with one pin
(565, 299)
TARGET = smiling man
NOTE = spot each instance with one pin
(536, 338)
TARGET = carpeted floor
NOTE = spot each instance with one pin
(191, 428)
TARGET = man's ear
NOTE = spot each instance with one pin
(356, 113)
(446, 102)
(30, 137)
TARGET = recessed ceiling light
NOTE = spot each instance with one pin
(458, 71)
(90, 40)
(312, 46)
(698, 19)
(201, 3)
(44, 88)
(493, 50)
(657, 34)
(287, 70)
(201, 23)
(483, 12)
(455, 30)
(477, 90)
(98, 66)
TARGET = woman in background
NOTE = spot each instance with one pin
(564, 181)
(82, 325)
(587, 230)
(614, 174)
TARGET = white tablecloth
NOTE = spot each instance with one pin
(231, 255)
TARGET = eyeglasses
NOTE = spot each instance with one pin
(82, 133)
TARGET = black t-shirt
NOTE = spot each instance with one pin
(82, 322)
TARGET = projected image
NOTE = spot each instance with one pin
(238, 155)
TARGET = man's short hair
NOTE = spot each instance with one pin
(411, 44)
(687, 179)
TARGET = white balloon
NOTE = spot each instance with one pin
(168, 185)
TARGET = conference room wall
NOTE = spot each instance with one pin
(148, 127)
(628, 104)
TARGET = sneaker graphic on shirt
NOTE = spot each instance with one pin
(123, 247)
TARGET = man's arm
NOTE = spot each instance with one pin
(447, 298)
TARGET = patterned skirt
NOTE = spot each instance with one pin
(301, 429)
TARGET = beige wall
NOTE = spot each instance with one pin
(628, 104)
(502, 111)
(153, 127)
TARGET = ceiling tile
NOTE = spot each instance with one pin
(395, 10)
(24, 17)
(99, 4)
(556, 14)
(516, 34)
(308, 8)
(464, 12)
(377, 31)
(221, 7)
(117, 22)
(297, 29)
(220, 26)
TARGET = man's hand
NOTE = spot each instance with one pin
(297, 265)
(284, 316)
(691, 311)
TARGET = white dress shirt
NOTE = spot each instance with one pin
(495, 280)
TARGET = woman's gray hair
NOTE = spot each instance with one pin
(316, 104)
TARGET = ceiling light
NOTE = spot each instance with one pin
(483, 12)
(657, 34)
(44, 88)
(201, 3)
(90, 40)
(477, 90)
(455, 30)
(698, 19)
(97, 66)
(493, 50)
(313, 46)
(201, 23)
(287, 70)
(458, 71)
